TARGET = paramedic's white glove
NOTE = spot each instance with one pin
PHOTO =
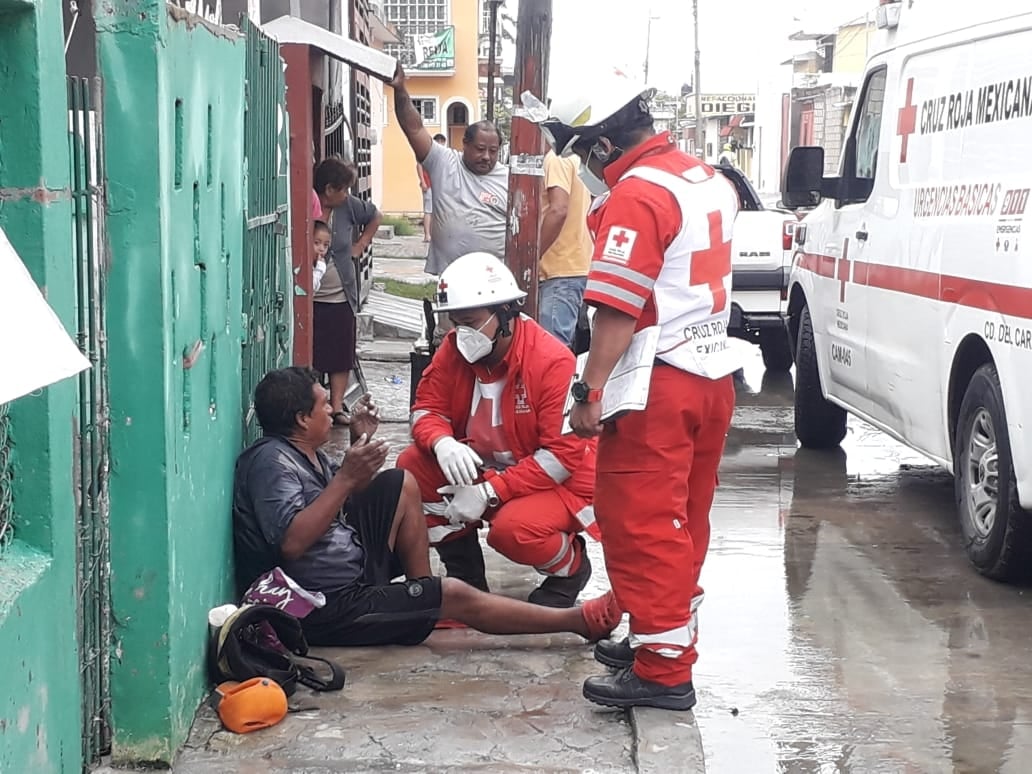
(458, 462)
(468, 503)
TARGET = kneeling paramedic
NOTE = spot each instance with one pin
(487, 424)
(662, 257)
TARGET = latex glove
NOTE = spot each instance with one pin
(458, 462)
(468, 503)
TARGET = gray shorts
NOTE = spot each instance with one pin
(428, 203)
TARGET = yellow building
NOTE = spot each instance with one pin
(440, 57)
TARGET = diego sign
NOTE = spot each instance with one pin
(724, 104)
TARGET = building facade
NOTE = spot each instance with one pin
(440, 55)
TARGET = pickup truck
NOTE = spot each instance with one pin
(761, 259)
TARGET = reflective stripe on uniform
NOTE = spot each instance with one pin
(551, 465)
(586, 515)
(644, 281)
(608, 289)
(673, 642)
(440, 533)
(561, 557)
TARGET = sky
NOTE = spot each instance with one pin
(737, 40)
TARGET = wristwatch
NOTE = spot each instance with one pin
(584, 394)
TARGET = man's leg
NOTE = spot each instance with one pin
(458, 545)
(541, 530)
(642, 505)
(338, 389)
(559, 303)
(408, 537)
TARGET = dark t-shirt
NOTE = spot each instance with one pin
(273, 482)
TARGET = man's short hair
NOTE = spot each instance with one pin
(440, 138)
(485, 126)
(335, 172)
(281, 395)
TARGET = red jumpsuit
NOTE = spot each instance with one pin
(663, 256)
(545, 480)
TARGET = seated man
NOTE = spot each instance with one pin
(492, 401)
(347, 532)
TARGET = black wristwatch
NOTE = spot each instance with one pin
(582, 393)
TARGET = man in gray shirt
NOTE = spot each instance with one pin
(470, 189)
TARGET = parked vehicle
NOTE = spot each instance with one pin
(910, 297)
(761, 258)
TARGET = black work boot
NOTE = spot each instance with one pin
(464, 559)
(615, 653)
(562, 592)
(626, 689)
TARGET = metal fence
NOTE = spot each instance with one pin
(92, 448)
(6, 506)
(267, 282)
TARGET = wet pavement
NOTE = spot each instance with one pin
(843, 631)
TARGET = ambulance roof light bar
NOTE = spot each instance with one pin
(887, 15)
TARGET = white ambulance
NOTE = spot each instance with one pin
(910, 295)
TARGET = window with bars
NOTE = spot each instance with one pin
(414, 17)
(427, 107)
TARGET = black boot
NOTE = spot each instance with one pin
(464, 559)
(562, 592)
(626, 689)
(615, 653)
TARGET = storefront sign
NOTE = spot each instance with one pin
(435, 51)
(724, 104)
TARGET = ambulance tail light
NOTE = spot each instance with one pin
(788, 234)
(800, 234)
(887, 15)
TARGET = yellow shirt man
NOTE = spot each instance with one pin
(566, 246)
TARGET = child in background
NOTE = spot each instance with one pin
(322, 237)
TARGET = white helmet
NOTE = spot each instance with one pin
(476, 281)
(577, 111)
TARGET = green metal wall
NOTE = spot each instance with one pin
(174, 101)
(39, 686)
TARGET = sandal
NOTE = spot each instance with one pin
(341, 419)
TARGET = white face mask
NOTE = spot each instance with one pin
(473, 345)
(596, 186)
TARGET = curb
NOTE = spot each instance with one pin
(666, 742)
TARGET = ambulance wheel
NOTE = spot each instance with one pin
(776, 349)
(997, 531)
(819, 423)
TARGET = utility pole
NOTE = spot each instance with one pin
(492, 56)
(527, 159)
(648, 46)
(699, 150)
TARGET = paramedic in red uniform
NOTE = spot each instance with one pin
(662, 229)
(487, 426)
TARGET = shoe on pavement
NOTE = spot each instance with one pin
(562, 592)
(463, 558)
(615, 653)
(602, 615)
(626, 689)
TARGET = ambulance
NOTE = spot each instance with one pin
(910, 294)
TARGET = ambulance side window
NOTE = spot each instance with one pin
(861, 160)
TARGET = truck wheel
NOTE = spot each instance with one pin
(819, 423)
(997, 530)
(776, 350)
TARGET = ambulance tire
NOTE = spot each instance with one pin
(819, 423)
(1001, 550)
(776, 350)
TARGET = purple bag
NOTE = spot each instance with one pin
(278, 589)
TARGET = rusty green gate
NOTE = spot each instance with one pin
(267, 283)
(93, 560)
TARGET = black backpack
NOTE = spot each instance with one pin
(243, 648)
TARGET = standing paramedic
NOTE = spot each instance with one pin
(487, 425)
(662, 229)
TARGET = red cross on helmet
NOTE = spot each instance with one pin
(476, 281)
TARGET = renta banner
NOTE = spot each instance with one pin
(434, 51)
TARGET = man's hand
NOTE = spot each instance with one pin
(362, 462)
(398, 81)
(365, 418)
(359, 248)
(458, 462)
(468, 503)
(585, 419)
